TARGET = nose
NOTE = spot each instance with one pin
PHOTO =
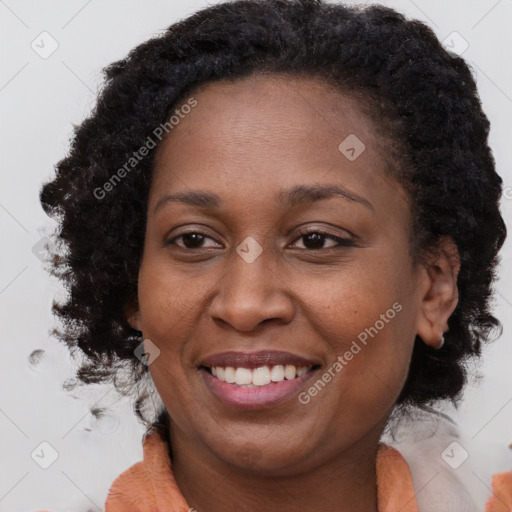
(250, 294)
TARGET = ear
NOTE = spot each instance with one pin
(439, 295)
(132, 314)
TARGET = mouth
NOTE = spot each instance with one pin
(256, 380)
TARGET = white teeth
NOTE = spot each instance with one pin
(243, 376)
(290, 372)
(261, 376)
(277, 373)
(301, 371)
(229, 374)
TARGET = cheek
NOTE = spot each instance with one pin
(170, 301)
(169, 314)
(367, 319)
(362, 301)
(370, 361)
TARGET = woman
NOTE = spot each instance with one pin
(285, 211)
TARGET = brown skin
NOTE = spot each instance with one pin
(245, 141)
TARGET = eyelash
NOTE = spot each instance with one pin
(341, 242)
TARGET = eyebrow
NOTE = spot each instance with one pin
(290, 198)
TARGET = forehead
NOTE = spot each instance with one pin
(267, 132)
(288, 106)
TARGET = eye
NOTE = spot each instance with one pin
(315, 240)
(190, 240)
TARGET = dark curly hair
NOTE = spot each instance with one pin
(422, 99)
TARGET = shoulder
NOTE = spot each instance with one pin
(148, 484)
(501, 500)
(434, 452)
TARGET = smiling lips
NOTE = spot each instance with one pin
(255, 380)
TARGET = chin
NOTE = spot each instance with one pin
(268, 456)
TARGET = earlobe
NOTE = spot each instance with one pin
(134, 321)
(132, 314)
(440, 296)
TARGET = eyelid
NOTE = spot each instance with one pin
(324, 229)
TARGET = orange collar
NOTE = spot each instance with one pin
(149, 485)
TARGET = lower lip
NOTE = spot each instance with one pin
(254, 398)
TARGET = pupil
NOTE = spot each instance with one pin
(195, 237)
(316, 239)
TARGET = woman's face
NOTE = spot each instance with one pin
(321, 326)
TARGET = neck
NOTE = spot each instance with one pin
(347, 481)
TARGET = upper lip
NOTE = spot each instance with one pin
(255, 359)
